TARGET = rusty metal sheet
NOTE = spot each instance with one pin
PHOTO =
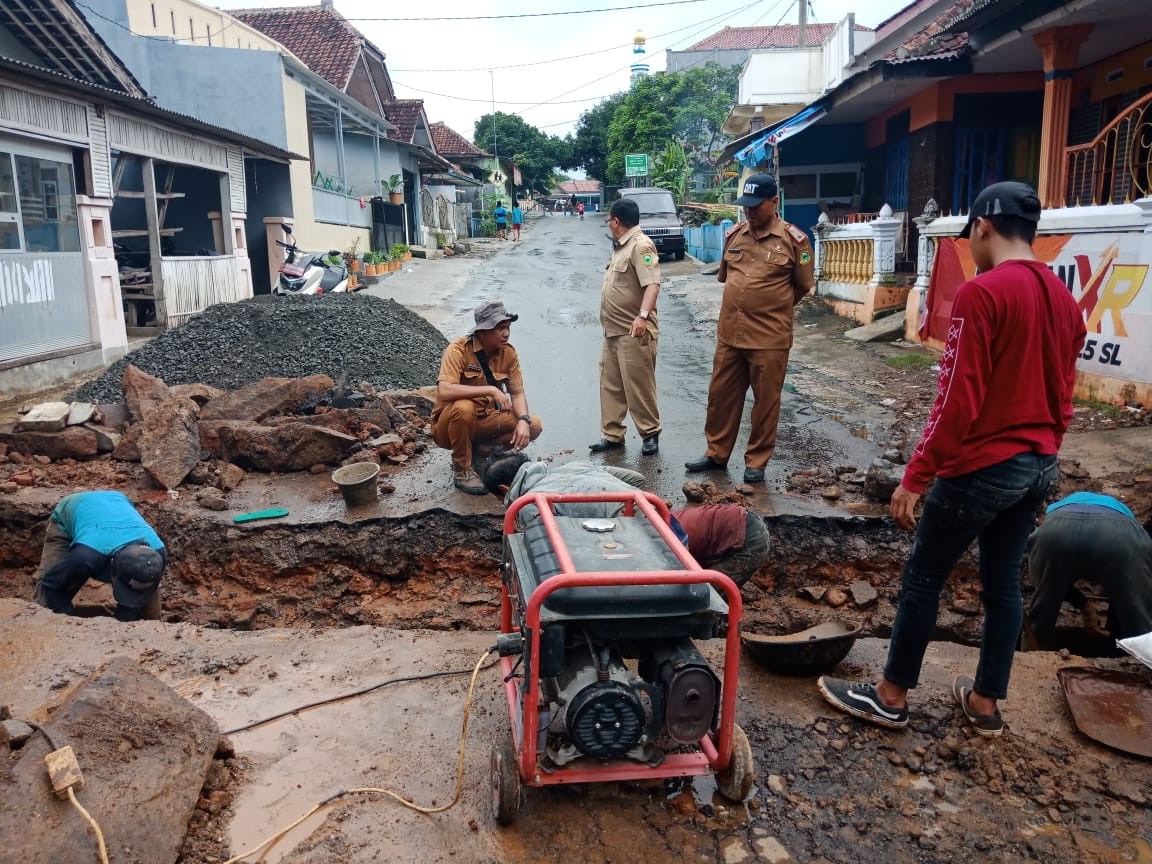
(1114, 708)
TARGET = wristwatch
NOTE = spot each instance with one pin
(644, 314)
(525, 418)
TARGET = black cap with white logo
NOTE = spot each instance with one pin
(757, 188)
(1009, 198)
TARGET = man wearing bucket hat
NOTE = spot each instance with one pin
(99, 535)
(766, 269)
(480, 399)
(1003, 402)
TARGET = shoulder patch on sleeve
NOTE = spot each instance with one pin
(796, 234)
(649, 259)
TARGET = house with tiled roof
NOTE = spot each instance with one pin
(954, 95)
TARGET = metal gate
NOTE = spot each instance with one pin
(43, 304)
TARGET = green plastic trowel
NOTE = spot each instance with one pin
(271, 513)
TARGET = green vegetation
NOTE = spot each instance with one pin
(911, 361)
(536, 154)
(1112, 412)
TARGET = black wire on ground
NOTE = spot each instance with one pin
(345, 696)
(43, 732)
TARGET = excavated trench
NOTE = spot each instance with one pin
(439, 570)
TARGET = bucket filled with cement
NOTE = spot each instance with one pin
(357, 482)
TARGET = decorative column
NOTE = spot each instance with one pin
(925, 255)
(1060, 47)
(818, 231)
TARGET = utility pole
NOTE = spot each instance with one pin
(495, 151)
(802, 33)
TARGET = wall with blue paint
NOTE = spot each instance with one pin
(706, 242)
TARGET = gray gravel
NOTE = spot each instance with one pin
(233, 344)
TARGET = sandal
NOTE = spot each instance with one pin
(984, 725)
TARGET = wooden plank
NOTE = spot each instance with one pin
(100, 158)
(65, 56)
(96, 48)
(159, 195)
(148, 169)
(143, 232)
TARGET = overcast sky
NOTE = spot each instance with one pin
(552, 91)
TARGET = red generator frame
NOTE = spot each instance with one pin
(725, 753)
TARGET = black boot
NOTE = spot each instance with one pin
(651, 445)
(705, 463)
(604, 444)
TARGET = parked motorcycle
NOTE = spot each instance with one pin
(309, 272)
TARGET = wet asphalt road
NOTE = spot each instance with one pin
(552, 279)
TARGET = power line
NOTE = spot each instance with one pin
(534, 14)
(502, 101)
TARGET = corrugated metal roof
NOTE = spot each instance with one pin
(778, 36)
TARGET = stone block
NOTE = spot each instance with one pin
(80, 413)
(289, 447)
(170, 442)
(106, 439)
(265, 398)
(888, 328)
(142, 392)
(45, 417)
(74, 442)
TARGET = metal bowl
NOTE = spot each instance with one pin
(808, 652)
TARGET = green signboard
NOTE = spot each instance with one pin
(636, 165)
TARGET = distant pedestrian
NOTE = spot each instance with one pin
(99, 535)
(517, 221)
(580, 210)
(766, 269)
(1095, 538)
(572, 204)
(480, 399)
(1003, 404)
(628, 316)
(500, 214)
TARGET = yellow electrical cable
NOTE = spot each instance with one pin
(368, 789)
(95, 826)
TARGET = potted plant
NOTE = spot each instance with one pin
(395, 187)
(370, 264)
(400, 253)
(351, 256)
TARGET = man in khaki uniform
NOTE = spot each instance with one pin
(766, 270)
(480, 399)
(628, 316)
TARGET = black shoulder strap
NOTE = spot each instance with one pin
(483, 358)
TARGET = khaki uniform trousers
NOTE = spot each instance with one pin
(628, 385)
(733, 371)
(461, 427)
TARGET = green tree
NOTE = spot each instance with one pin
(536, 155)
(589, 146)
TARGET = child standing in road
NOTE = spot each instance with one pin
(501, 216)
(580, 209)
(517, 221)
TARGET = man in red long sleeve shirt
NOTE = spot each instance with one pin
(1003, 404)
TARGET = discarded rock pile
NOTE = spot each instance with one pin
(361, 337)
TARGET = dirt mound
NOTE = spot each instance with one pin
(233, 344)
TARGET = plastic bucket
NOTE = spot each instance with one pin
(357, 482)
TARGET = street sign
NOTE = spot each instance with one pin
(636, 165)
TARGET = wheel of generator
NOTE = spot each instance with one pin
(679, 254)
(735, 781)
(505, 784)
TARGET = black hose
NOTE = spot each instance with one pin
(43, 732)
(354, 694)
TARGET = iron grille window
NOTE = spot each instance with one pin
(979, 163)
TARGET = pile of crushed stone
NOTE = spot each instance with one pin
(363, 337)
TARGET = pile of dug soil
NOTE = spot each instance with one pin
(232, 344)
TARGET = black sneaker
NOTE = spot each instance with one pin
(605, 444)
(753, 475)
(705, 463)
(984, 725)
(861, 700)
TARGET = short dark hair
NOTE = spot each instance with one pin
(627, 211)
(500, 469)
(1013, 227)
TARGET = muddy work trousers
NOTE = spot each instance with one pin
(734, 370)
(628, 386)
(463, 426)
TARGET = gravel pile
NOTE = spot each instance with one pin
(233, 344)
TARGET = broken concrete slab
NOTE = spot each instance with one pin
(889, 327)
(170, 442)
(144, 752)
(291, 447)
(265, 398)
(114, 414)
(14, 732)
(74, 442)
(45, 417)
(106, 439)
(80, 413)
(142, 392)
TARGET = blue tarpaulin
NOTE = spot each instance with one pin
(756, 152)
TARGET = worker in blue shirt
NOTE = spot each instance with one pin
(99, 535)
(1096, 538)
(501, 216)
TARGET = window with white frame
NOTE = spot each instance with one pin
(37, 204)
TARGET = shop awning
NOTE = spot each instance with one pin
(754, 153)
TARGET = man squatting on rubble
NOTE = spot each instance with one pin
(723, 537)
(99, 535)
(1097, 538)
(1003, 404)
(766, 269)
(480, 399)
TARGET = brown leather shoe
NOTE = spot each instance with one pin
(467, 480)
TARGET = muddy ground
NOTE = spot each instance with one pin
(338, 600)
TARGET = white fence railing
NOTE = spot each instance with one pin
(193, 284)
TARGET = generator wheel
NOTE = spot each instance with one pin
(505, 784)
(735, 781)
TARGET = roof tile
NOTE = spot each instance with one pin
(319, 35)
(404, 114)
(449, 142)
(930, 42)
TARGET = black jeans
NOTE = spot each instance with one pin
(998, 506)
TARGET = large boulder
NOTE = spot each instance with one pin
(210, 433)
(74, 442)
(265, 398)
(170, 442)
(145, 753)
(127, 449)
(142, 392)
(289, 447)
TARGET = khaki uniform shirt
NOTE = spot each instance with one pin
(459, 365)
(633, 266)
(764, 278)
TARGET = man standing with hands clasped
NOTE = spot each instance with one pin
(628, 316)
(766, 270)
(1003, 403)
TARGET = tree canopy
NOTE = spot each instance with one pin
(536, 154)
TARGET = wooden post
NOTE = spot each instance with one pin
(151, 213)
